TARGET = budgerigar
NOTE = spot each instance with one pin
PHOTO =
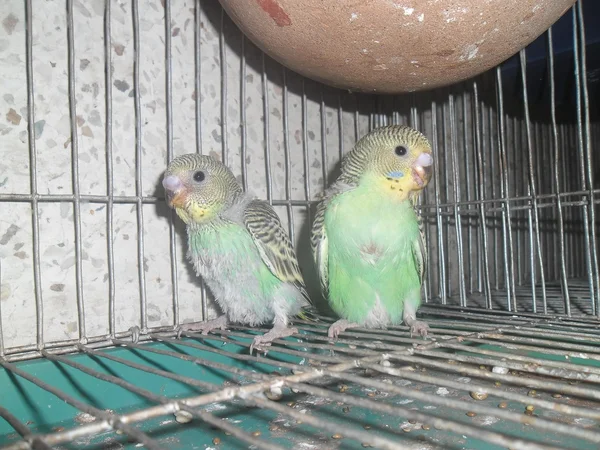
(367, 239)
(239, 247)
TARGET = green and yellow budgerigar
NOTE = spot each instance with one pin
(239, 247)
(367, 239)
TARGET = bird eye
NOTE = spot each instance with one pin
(199, 176)
(401, 150)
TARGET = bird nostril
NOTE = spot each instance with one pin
(172, 183)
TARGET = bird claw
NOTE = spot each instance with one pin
(220, 323)
(259, 345)
(339, 327)
(259, 342)
(135, 334)
(419, 328)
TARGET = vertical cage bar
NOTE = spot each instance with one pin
(287, 159)
(415, 123)
(305, 148)
(223, 64)
(138, 163)
(341, 126)
(324, 140)
(533, 193)
(169, 124)
(468, 189)
(446, 200)
(579, 142)
(75, 170)
(243, 128)
(557, 178)
(35, 216)
(438, 216)
(507, 232)
(481, 180)
(512, 122)
(356, 118)
(493, 178)
(198, 77)
(110, 253)
(457, 200)
(265, 88)
(198, 110)
(582, 88)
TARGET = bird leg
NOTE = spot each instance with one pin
(204, 327)
(339, 327)
(279, 330)
(410, 319)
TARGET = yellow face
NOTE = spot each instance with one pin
(194, 214)
(198, 187)
(402, 168)
(188, 210)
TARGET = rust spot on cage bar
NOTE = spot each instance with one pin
(274, 9)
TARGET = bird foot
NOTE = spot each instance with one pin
(419, 328)
(339, 327)
(262, 341)
(204, 327)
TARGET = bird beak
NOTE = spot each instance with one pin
(174, 191)
(422, 169)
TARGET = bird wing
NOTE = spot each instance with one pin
(419, 250)
(273, 243)
(319, 245)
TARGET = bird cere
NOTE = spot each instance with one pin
(367, 240)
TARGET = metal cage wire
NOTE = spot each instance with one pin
(510, 227)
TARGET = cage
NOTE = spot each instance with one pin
(94, 282)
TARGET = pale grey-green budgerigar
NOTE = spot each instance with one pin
(367, 240)
(239, 247)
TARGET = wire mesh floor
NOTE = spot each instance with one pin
(548, 300)
(481, 380)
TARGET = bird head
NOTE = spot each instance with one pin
(395, 158)
(199, 187)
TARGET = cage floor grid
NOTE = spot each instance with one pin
(481, 380)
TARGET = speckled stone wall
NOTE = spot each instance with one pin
(226, 121)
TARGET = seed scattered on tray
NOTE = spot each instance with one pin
(471, 414)
(183, 417)
(478, 395)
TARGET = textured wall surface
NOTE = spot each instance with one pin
(220, 108)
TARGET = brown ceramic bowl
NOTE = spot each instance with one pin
(393, 46)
